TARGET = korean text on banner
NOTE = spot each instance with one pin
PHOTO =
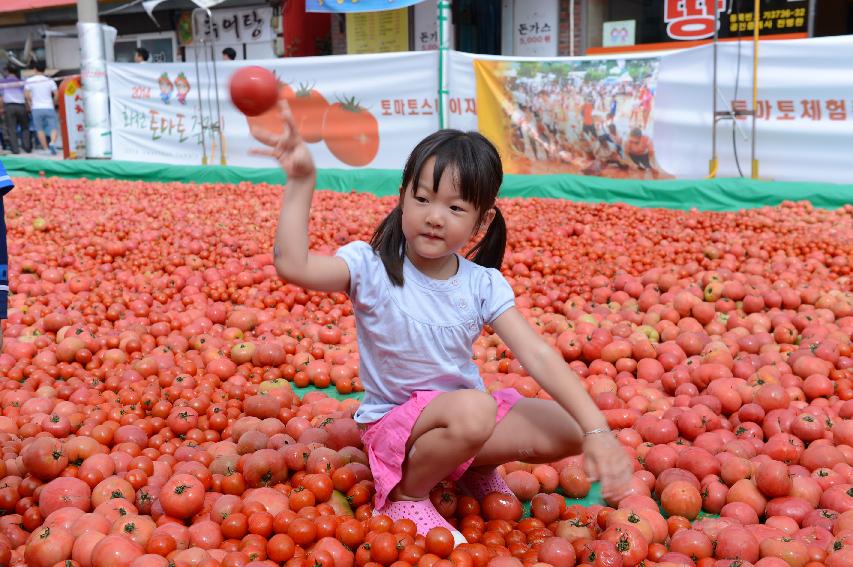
(72, 118)
(583, 117)
(355, 111)
(350, 6)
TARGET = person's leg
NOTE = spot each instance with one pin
(53, 128)
(26, 133)
(534, 431)
(40, 120)
(450, 431)
(12, 129)
(20, 122)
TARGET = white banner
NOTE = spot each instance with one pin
(356, 111)
(804, 130)
(805, 110)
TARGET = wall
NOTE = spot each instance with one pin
(339, 34)
(596, 15)
(565, 35)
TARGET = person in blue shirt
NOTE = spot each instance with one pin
(6, 185)
(419, 306)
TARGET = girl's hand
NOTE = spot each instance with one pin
(605, 460)
(288, 147)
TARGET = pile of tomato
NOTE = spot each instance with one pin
(154, 371)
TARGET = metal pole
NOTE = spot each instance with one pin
(812, 10)
(197, 51)
(218, 123)
(443, 60)
(572, 28)
(714, 163)
(757, 18)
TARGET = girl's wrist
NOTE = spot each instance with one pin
(597, 432)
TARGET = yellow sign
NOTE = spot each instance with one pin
(378, 32)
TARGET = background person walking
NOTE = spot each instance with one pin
(41, 94)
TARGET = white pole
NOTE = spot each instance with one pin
(93, 75)
(572, 28)
(443, 60)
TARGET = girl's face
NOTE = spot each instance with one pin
(437, 224)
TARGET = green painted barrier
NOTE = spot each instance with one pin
(702, 194)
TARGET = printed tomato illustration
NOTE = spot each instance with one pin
(351, 133)
(308, 107)
(270, 120)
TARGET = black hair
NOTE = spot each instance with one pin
(13, 69)
(142, 52)
(476, 165)
(229, 53)
(40, 66)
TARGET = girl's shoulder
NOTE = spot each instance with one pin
(492, 293)
(482, 279)
(365, 266)
(360, 254)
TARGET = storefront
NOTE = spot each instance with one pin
(534, 28)
(253, 28)
(625, 25)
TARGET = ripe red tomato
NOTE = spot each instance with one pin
(182, 496)
(254, 90)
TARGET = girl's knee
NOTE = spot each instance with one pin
(473, 417)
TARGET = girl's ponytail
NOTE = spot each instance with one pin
(489, 252)
(388, 241)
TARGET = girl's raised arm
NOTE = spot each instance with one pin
(291, 258)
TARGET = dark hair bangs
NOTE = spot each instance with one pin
(468, 156)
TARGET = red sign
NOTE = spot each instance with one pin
(691, 19)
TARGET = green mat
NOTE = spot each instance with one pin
(591, 499)
(330, 391)
(703, 194)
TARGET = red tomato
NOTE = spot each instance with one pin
(351, 133)
(254, 90)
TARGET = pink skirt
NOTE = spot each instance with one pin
(385, 440)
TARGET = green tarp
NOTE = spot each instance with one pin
(703, 194)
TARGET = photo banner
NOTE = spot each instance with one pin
(354, 111)
(584, 117)
(804, 111)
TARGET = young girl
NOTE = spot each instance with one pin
(419, 307)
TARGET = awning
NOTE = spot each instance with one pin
(25, 5)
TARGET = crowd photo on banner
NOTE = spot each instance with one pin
(579, 117)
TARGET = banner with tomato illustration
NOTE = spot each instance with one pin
(370, 110)
(354, 111)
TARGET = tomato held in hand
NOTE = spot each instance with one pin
(254, 90)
